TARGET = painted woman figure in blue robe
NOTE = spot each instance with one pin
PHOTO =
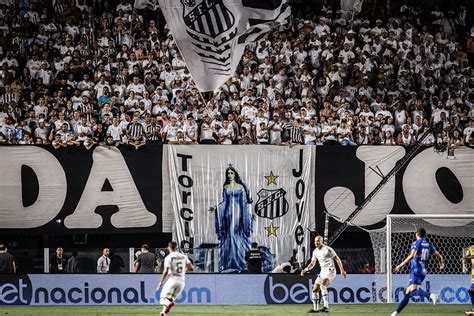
(233, 223)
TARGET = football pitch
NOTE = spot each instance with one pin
(366, 309)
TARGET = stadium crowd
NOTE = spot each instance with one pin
(80, 73)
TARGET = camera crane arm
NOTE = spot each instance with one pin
(436, 130)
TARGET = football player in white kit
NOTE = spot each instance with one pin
(326, 256)
(176, 265)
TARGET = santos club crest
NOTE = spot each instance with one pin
(209, 17)
(211, 26)
(271, 203)
(212, 34)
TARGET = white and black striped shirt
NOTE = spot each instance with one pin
(18, 45)
(295, 133)
(135, 130)
(58, 9)
(152, 132)
(7, 98)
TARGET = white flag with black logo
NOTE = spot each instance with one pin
(212, 34)
(352, 5)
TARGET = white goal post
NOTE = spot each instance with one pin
(450, 233)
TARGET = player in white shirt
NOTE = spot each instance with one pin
(176, 265)
(326, 256)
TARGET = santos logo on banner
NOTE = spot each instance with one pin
(232, 197)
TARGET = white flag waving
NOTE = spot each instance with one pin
(358, 5)
(212, 34)
(352, 5)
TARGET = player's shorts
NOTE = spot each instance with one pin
(417, 276)
(172, 289)
(329, 273)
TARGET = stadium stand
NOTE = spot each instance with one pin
(72, 77)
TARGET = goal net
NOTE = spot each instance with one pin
(450, 234)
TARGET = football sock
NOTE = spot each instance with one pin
(171, 304)
(324, 292)
(421, 293)
(315, 299)
(167, 304)
(403, 303)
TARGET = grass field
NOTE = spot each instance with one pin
(377, 309)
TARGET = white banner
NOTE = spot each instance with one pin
(236, 195)
(212, 34)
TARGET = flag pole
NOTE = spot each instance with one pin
(202, 97)
(184, 59)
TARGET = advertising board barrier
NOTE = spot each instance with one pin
(140, 289)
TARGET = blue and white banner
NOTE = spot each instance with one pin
(227, 289)
(230, 196)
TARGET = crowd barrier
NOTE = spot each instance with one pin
(140, 289)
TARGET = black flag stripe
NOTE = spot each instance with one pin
(220, 27)
(227, 16)
(210, 24)
(200, 28)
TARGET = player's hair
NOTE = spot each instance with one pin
(254, 245)
(3, 247)
(173, 245)
(144, 246)
(422, 232)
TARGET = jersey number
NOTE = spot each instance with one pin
(179, 267)
(425, 253)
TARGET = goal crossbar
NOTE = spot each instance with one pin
(428, 216)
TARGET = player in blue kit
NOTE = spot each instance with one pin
(470, 256)
(420, 251)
